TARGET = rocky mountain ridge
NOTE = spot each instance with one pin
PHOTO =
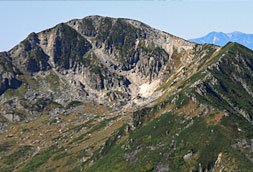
(108, 94)
(97, 60)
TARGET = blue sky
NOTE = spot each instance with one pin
(183, 18)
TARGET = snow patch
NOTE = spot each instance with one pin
(214, 39)
(229, 35)
(147, 90)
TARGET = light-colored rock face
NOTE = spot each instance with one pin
(47, 41)
(12, 117)
(147, 70)
(119, 62)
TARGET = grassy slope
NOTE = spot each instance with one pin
(161, 138)
(57, 143)
(166, 141)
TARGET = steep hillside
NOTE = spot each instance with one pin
(205, 126)
(106, 60)
(106, 94)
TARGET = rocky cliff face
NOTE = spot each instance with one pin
(8, 73)
(108, 94)
(96, 58)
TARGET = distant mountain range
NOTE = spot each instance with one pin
(220, 38)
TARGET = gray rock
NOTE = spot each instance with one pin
(188, 156)
(162, 167)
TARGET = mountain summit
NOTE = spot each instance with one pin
(112, 94)
(221, 39)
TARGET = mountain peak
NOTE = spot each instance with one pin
(236, 32)
(111, 94)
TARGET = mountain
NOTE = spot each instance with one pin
(221, 39)
(114, 94)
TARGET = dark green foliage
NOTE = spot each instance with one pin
(54, 121)
(73, 104)
(5, 169)
(18, 154)
(60, 156)
(5, 146)
(70, 161)
(150, 135)
(157, 129)
(181, 100)
(104, 149)
(76, 169)
(207, 141)
(145, 114)
(93, 129)
(82, 154)
(233, 71)
(204, 141)
(43, 103)
(79, 127)
(40, 159)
